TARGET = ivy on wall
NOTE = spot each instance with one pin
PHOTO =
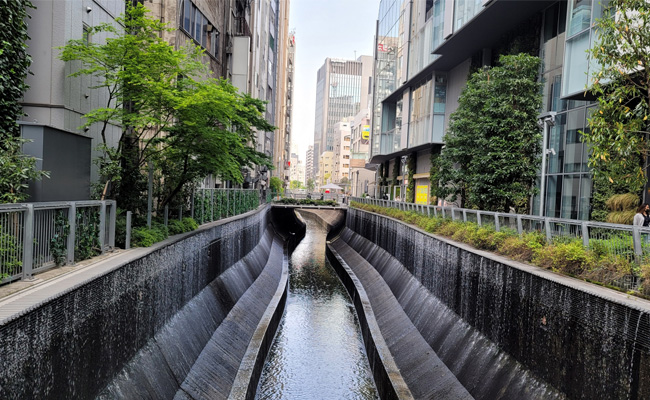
(16, 169)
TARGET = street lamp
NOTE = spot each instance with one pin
(546, 121)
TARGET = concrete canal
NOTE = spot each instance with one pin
(318, 351)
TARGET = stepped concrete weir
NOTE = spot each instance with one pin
(193, 317)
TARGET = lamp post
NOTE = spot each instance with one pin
(546, 120)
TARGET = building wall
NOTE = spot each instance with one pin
(53, 98)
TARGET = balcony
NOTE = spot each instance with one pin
(240, 27)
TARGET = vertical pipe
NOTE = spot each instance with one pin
(72, 221)
(166, 215)
(127, 242)
(28, 243)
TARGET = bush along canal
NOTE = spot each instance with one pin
(318, 351)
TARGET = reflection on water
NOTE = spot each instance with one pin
(318, 351)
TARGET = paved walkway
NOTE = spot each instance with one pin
(20, 296)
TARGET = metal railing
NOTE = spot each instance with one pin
(60, 233)
(631, 242)
(214, 204)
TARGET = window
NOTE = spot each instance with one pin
(199, 28)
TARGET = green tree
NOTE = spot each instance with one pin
(276, 184)
(140, 74)
(310, 184)
(16, 169)
(493, 144)
(214, 134)
(295, 185)
(618, 130)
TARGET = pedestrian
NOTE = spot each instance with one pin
(642, 216)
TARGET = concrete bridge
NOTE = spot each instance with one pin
(193, 317)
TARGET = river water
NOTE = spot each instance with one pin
(318, 351)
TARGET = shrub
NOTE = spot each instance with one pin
(608, 269)
(190, 224)
(570, 258)
(145, 237)
(175, 227)
(516, 248)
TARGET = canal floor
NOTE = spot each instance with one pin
(318, 351)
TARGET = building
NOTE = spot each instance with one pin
(297, 170)
(342, 89)
(287, 51)
(325, 168)
(362, 179)
(424, 53)
(341, 170)
(55, 103)
(309, 164)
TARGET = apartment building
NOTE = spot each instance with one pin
(309, 164)
(362, 179)
(424, 53)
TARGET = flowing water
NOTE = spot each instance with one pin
(318, 351)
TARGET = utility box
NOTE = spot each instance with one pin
(67, 157)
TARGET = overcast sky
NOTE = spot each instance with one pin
(324, 28)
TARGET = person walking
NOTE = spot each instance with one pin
(642, 216)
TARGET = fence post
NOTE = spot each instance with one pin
(453, 215)
(464, 215)
(636, 240)
(429, 211)
(72, 221)
(547, 228)
(166, 214)
(585, 234)
(111, 225)
(520, 226)
(127, 241)
(442, 209)
(192, 205)
(180, 212)
(28, 243)
(497, 224)
(102, 226)
(478, 218)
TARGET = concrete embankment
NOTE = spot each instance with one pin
(504, 329)
(176, 320)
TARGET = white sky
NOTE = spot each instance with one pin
(324, 28)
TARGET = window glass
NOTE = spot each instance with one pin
(570, 195)
(553, 196)
(187, 15)
(576, 64)
(556, 143)
(579, 16)
(198, 23)
(440, 96)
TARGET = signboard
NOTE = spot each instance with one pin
(355, 163)
(421, 194)
(365, 132)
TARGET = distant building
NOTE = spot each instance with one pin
(297, 170)
(341, 170)
(342, 89)
(325, 168)
(309, 164)
(362, 180)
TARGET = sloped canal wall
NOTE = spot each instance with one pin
(176, 322)
(508, 329)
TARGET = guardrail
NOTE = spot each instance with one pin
(214, 204)
(58, 233)
(632, 242)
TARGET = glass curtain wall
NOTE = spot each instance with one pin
(344, 96)
(581, 15)
(464, 10)
(568, 178)
(388, 73)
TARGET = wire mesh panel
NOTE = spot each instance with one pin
(565, 231)
(49, 230)
(471, 215)
(11, 244)
(617, 241)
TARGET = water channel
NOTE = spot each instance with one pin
(318, 351)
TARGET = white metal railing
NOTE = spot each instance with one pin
(60, 233)
(632, 242)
